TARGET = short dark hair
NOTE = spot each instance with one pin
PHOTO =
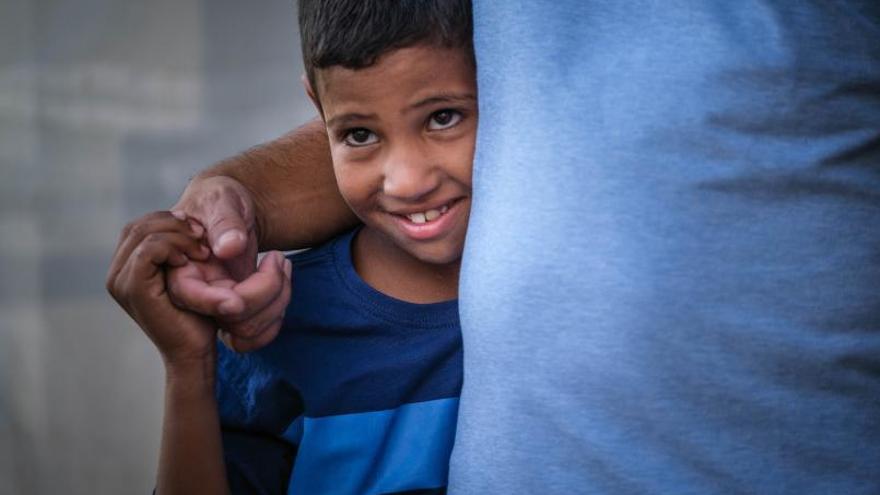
(355, 33)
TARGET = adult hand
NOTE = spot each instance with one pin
(226, 210)
(251, 319)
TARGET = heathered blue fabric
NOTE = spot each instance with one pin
(671, 281)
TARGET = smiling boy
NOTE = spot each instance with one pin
(401, 135)
(358, 394)
(363, 380)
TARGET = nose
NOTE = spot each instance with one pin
(409, 173)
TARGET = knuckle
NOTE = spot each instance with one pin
(152, 238)
(156, 239)
(141, 252)
(137, 230)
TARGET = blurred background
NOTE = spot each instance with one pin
(106, 109)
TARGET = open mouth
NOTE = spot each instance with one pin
(428, 216)
(430, 224)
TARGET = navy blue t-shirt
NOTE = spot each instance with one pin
(357, 394)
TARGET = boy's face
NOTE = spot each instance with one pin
(402, 139)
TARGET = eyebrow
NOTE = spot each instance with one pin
(444, 98)
(344, 119)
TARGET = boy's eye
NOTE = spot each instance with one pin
(360, 137)
(443, 119)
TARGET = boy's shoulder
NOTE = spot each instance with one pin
(326, 253)
(321, 277)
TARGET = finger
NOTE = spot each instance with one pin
(157, 221)
(186, 247)
(228, 220)
(240, 344)
(271, 327)
(119, 287)
(163, 248)
(243, 266)
(265, 322)
(190, 290)
(129, 238)
(133, 233)
(134, 237)
(142, 271)
(260, 289)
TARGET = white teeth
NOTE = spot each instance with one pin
(417, 217)
(427, 216)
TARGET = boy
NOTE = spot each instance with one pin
(359, 391)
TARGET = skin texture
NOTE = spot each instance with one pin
(400, 149)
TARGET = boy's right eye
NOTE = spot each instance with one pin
(360, 137)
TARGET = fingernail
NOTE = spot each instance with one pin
(288, 267)
(178, 214)
(229, 236)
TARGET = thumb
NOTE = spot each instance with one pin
(226, 227)
(229, 239)
(224, 207)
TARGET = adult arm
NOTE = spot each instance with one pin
(281, 194)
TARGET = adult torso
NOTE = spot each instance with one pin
(671, 282)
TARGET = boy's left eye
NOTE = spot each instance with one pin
(443, 119)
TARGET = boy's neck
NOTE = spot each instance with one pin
(394, 272)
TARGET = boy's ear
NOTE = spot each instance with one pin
(312, 95)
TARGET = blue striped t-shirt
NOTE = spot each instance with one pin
(358, 394)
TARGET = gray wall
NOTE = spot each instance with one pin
(106, 108)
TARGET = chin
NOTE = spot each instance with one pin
(438, 258)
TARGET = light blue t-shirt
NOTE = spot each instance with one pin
(671, 281)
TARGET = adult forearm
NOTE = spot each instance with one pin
(191, 457)
(291, 182)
